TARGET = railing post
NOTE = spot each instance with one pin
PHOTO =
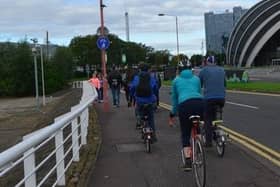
(60, 156)
(84, 119)
(29, 167)
(75, 140)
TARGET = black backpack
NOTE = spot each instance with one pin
(144, 89)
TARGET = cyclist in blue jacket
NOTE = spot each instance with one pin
(143, 88)
(186, 101)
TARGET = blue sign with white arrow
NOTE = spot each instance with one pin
(103, 43)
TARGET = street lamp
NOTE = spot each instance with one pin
(34, 52)
(176, 18)
(43, 76)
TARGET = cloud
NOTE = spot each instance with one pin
(65, 19)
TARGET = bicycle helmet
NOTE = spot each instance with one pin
(184, 64)
(210, 60)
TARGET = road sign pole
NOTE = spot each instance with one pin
(105, 82)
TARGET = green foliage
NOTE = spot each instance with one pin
(85, 52)
(59, 70)
(175, 59)
(17, 70)
(197, 60)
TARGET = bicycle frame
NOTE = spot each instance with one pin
(194, 133)
(196, 148)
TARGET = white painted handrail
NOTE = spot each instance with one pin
(25, 150)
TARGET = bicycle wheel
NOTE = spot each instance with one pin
(199, 165)
(148, 145)
(220, 147)
(220, 142)
(203, 136)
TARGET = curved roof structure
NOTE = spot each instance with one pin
(252, 32)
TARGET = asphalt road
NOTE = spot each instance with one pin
(123, 162)
(255, 116)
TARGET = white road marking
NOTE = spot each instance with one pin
(253, 93)
(243, 105)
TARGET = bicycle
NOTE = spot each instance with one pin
(219, 136)
(146, 130)
(197, 153)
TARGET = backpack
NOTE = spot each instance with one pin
(144, 89)
(115, 79)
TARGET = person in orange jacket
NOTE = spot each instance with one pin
(95, 82)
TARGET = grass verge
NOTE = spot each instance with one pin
(266, 87)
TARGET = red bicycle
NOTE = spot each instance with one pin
(197, 153)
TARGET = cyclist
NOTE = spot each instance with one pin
(143, 87)
(213, 81)
(186, 101)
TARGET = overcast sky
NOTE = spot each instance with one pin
(65, 19)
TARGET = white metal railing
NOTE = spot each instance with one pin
(24, 152)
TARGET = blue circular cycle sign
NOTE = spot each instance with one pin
(103, 43)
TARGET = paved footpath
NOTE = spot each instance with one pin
(123, 162)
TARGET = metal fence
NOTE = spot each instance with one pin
(25, 152)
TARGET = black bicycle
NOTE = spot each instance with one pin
(146, 130)
(219, 135)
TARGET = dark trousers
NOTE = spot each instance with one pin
(100, 93)
(126, 90)
(157, 96)
(185, 110)
(210, 115)
(149, 111)
(116, 95)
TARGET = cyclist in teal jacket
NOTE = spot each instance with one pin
(186, 101)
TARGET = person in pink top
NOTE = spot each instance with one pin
(95, 82)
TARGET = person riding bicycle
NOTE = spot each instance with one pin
(143, 87)
(213, 81)
(186, 101)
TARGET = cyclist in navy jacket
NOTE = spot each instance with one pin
(213, 81)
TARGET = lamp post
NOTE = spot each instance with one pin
(43, 76)
(103, 60)
(34, 52)
(177, 36)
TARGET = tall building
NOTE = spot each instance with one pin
(218, 28)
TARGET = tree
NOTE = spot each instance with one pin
(16, 69)
(197, 59)
(85, 51)
(59, 69)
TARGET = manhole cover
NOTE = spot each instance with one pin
(130, 147)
